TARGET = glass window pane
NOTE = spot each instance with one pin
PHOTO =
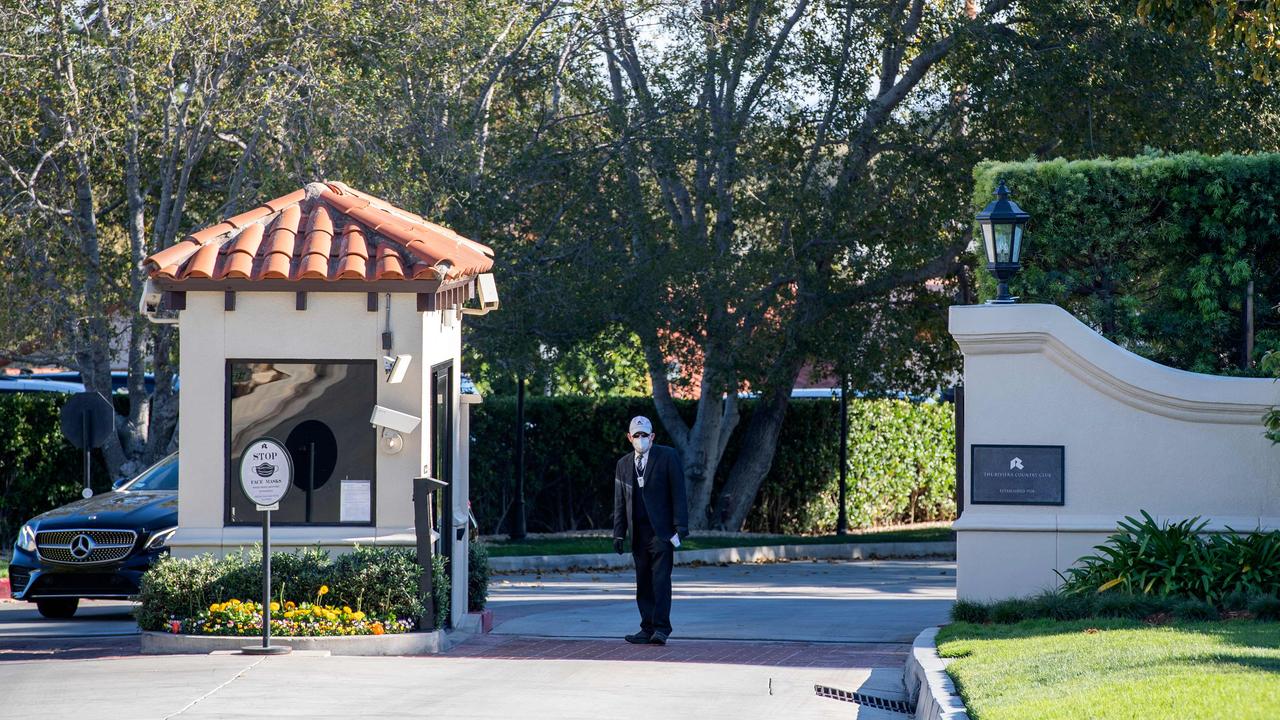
(320, 411)
(1004, 242)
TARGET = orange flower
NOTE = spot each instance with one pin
(378, 629)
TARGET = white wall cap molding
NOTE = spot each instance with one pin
(1053, 332)
(977, 521)
(292, 536)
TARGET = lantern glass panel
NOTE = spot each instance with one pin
(990, 243)
(1003, 242)
(1017, 243)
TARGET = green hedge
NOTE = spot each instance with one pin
(39, 469)
(1155, 252)
(902, 467)
(380, 582)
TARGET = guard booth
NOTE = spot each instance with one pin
(330, 320)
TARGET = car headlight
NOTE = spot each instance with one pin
(27, 538)
(160, 538)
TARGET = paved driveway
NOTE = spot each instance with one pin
(751, 642)
(884, 601)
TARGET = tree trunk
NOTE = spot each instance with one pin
(752, 465)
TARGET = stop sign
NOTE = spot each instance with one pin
(87, 420)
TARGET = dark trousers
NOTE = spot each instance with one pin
(653, 556)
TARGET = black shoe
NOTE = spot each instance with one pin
(640, 638)
(658, 638)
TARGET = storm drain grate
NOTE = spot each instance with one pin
(871, 701)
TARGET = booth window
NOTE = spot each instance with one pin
(320, 411)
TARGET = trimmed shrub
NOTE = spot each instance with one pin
(1155, 252)
(478, 570)
(901, 463)
(381, 582)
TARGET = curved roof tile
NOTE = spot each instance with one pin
(325, 231)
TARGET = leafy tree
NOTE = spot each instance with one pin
(1242, 32)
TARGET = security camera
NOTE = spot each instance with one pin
(487, 293)
(393, 419)
(396, 367)
(150, 305)
(391, 442)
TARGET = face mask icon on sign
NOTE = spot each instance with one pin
(264, 470)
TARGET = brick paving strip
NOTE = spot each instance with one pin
(778, 654)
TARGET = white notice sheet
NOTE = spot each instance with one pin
(356, 496)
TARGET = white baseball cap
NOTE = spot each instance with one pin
(640, 422)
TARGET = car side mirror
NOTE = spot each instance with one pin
(116, 485)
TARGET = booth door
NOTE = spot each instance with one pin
(442, 451)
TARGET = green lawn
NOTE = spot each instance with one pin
(1058, 670)
(580, 545)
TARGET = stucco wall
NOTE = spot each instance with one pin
(1138, 436)
(334, 326)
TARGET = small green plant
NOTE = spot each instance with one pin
(1195, 611)
(1179, 560)
(970, 611)
(1012, 610)
(477, 575)
(1146, 557)
(1265, 608)
(440, 589)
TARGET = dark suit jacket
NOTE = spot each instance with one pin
(664, 493)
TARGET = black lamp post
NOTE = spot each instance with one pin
(1002, 222)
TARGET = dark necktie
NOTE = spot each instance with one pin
(640, 469)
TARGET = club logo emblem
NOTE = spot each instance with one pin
(265, 470)
(1015, 464)
(81, 546)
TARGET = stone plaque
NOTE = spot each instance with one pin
(1017, 475)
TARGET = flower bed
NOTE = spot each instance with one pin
(239, 619)
(368, 591)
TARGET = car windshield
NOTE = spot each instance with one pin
(161, 476)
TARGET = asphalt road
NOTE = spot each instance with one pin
(750, 642)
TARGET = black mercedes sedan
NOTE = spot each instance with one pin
(99, 547)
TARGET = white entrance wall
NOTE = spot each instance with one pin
(1138, 436)
(335, 326)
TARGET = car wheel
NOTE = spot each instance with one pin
(58, 607)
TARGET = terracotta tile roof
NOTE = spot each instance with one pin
(325, 231)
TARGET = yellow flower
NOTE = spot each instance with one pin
(357, 616)
(233, 601)
(324, 589)
(346, 609)
(213, 607)
(275, 607)
(289, 605)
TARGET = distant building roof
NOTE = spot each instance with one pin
(324, 232)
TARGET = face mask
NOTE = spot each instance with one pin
(642, 444)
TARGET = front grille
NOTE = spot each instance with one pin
(85, 547)
(18, 578)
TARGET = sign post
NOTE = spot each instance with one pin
(266, 472)
(87, 420)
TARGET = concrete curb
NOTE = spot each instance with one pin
(928, 684)
(414, 643)
(761, 553)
